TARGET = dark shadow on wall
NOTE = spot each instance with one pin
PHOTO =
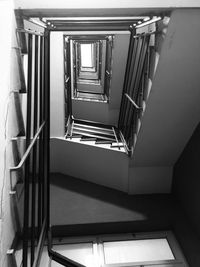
(186, 189)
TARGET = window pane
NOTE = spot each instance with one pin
(137, 251)
(86, 56)
(81, 253)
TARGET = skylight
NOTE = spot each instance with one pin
(86, 56)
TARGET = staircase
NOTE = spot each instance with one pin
(93, 133)
(81, 154)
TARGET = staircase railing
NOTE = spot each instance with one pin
(133, 89)
(35, 162)
(35, 159)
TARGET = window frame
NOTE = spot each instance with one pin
(98, 250)
(168, 235)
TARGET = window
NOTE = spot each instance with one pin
(87, 56)
(88, 62)
(142, 249)
(90, 66)
(157, 249)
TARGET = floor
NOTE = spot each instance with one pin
(80, 207)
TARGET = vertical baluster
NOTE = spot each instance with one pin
(43, 132)
(27, 163)
(40, 177)
(69, 93)
(47, 126)
(34, 158)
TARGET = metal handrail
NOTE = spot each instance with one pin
(145, 23)
(145, 34)
(26, 154)
(133, 102)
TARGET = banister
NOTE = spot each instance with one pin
(145, 23)
(133, 102)
(26, 154)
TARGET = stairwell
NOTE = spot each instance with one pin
(123, 137)
(98, 201)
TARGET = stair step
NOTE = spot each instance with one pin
(94, 135)
(73, 136)
(117, 144)
(93, 124)
(85, 138)
(99, 141)
(93, 129)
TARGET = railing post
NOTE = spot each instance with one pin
(69, 93)
(27, 163)
(34, 155)
(47, 127)
(41, 140)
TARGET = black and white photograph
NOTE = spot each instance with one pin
(100, 133)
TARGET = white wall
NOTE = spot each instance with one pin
(6, 227)
(105, 3)
(100, 112)
(57, 100)
(94, 111)
(173, 109)
(90, 163)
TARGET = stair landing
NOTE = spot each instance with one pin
(83, 208)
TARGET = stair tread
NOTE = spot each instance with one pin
(93, 124)
(99, 141)
(93, 129)
(93, 135)
(83, 138)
